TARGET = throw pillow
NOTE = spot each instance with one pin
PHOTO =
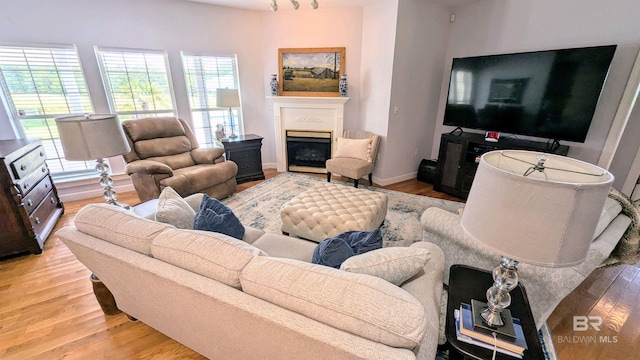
(334, 251)
(354, 148)
(174, 210)
(215, 216)
(394, 264)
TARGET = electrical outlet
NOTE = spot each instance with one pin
(415, 153)
(395, 109)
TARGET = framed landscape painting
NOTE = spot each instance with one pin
(310, 71)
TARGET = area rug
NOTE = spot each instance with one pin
(259, 207)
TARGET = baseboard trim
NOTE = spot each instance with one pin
(395, 179)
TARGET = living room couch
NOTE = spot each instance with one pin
(256, 298)
(545, 286)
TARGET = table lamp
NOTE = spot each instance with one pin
(228, 98)
(530, 207)
(90, 137)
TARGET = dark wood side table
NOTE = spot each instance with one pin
(245, 151)
(466, 283)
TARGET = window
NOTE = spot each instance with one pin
(204, 74)
(39, 84)
(461, 83)
(137, 82)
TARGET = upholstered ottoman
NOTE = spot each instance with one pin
(328, 209)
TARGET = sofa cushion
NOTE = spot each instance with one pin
(360, 304)
(394, 264)
(610, 210)
(119, 226)
(215, 216)
(215, 256)
(333, 251)
(173, 209)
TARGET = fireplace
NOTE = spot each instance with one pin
(306, 114)
(307, 151)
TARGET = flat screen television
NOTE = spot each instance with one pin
(549, 94)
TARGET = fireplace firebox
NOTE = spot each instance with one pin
(307, 151)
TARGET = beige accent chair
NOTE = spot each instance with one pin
(352, 167)
(165, 153)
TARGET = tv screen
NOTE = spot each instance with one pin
(549, 94)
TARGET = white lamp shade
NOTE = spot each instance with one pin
(227, 98)
(91, 137)
(546, 222)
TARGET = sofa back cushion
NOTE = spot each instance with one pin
(119, 226)
(360, 304)
(216, 256)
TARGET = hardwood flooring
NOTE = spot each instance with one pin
(48, 310)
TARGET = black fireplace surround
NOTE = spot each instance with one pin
(307, 151)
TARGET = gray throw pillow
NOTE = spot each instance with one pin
(174, 210)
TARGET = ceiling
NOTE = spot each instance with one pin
(263, 5)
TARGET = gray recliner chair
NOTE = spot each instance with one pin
(165, 153)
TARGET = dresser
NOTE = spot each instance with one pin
(29, 202)
(245, 150)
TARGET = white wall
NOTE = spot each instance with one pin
(420, 46)
(502, 26)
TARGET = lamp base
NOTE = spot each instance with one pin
(504, 329)
(233, 136)
(109, 192)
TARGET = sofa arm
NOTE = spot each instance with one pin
(147, 167)
(207, 155)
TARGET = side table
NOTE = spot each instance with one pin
(466, 283)
(245, 151)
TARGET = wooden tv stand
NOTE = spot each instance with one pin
(459, 155)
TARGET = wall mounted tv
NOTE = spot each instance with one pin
(549, 94)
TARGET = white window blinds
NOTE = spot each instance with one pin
(137, 82)
(39, 84)
(204, 74)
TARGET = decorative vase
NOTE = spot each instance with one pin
(274, 85)
(343, 85)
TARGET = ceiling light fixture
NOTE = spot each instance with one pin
(295, 3)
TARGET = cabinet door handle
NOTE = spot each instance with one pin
(53, 201)
(37, 220)
(41, 153)
(23, 167)
(30, 202)
(44, 169)
(26, 185)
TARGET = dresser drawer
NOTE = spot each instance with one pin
(29, 162)
(36, 195)
(27, 183)
(44, 210)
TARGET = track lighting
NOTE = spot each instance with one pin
(295, 3)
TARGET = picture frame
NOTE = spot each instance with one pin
(310, 71)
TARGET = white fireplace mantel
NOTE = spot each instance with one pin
(307, 114)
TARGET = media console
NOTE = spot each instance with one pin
(459, 155)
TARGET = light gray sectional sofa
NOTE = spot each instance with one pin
(545, 287)
(260, 298)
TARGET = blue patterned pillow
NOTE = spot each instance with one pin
(334, 251)
(215, 216)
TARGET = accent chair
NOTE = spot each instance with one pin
(354, 156)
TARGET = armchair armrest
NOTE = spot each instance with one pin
(207, 155)
(147, 167)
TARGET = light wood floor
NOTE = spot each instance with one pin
(48, 310)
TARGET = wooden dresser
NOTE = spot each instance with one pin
(29, 202)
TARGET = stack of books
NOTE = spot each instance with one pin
(504, 344)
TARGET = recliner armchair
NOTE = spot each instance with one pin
(165, 153)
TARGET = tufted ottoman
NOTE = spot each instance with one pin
(327, 210)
